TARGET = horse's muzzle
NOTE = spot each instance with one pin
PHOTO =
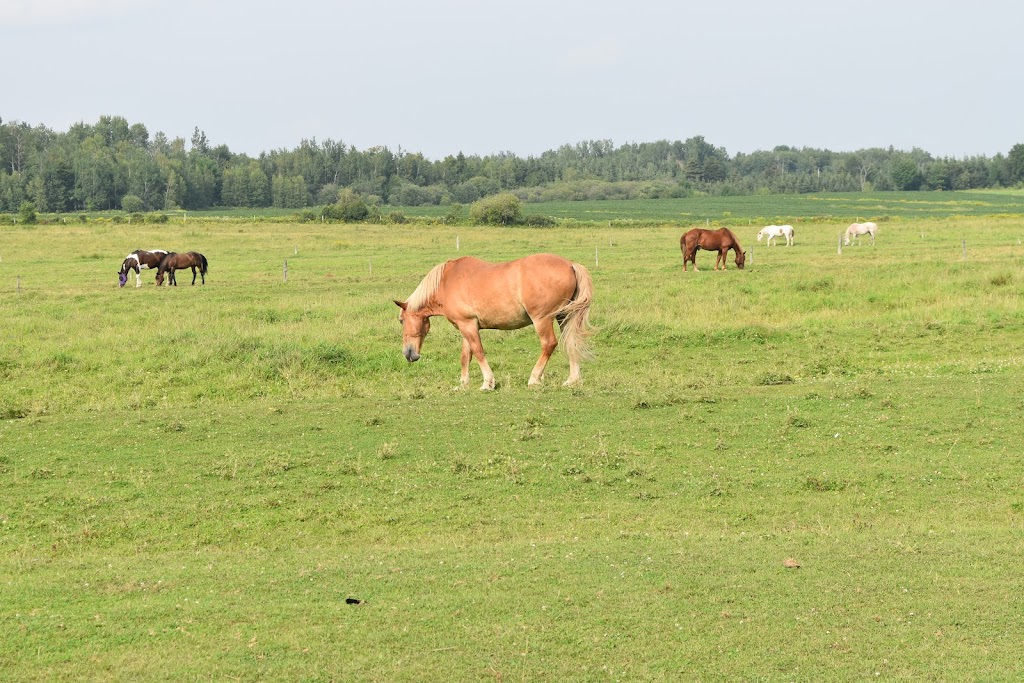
(411, 354)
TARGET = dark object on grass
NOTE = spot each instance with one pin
(352, 601)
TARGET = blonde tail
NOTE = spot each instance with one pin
(574, 317)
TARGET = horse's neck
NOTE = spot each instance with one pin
(432, 307)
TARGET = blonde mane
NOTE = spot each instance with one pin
(427, 289)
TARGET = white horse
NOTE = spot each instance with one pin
(857, 229)
(774, 232)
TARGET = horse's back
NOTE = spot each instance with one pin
(507, 295)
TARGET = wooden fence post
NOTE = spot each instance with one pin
(286, 270)
(840, 242)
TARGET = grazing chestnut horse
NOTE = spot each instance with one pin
(857, 229)
(721, 240)
(476, 295)
(173, 261)
(139, 260)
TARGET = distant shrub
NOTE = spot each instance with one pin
(132, 203)
(27, 213)
(137, 217)
(117, 219)
(350, 208)
(397, 217)
(309, 216)
(538, 221)
(156, 218)
(501, 209)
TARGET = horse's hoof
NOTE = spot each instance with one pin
(487, 387)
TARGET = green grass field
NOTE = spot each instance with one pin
(194, 480)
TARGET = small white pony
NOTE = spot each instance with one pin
(774, 232)
(857, 229)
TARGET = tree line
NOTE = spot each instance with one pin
(113, 164)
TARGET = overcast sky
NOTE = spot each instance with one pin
(443, 76)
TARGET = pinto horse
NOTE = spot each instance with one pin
(774, 232)
(721, 240)
(139, 260)
(173, 261)
(857, 229)
(476, 295)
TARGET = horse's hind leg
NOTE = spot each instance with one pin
(193, 276)
(546, 331)
(467, 355)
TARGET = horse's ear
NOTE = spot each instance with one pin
(400, 304)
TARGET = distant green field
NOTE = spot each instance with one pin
(839, 207)
(742, 210)
(198, 483)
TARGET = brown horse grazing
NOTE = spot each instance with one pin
(139, 260)
(174, 261)
(721, 240)
(476, 295)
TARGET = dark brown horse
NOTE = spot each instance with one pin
(721, 240)
(174, 261)
(137, 260)
(476, 295)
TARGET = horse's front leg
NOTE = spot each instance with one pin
(471, 336)
(546, 331)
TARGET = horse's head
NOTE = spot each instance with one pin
(122, 278)
(760, 234)
(159, 278)
(415, 325)
(741, 258)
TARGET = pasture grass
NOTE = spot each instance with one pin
(196, 480)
